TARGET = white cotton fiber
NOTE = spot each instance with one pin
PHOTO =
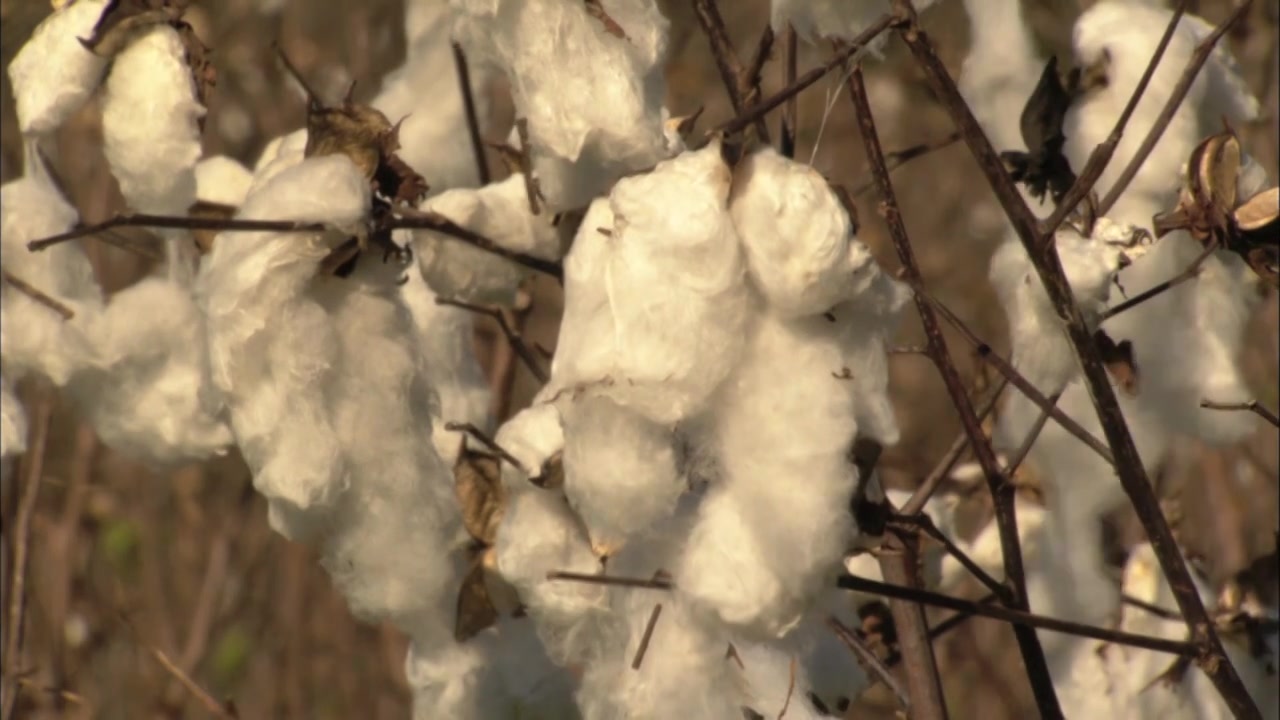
(13, 422)
(592, 100)
(141, 389)
(534, 436)
(620, 469)
(1001, 69)
(817, 20)
(280, 154)
(796, 234)
(776, 678)
(34, 337)
(223, 180)
(445, 338)
(655, 302)
(149, 123)
(425, 93)
(500, 212)
(53, 74)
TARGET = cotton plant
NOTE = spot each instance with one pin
(586, 78)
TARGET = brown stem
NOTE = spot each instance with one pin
(1251, 406)
(646, 637)
(732, 74)
(38, 295)
(787, 131)
(868, 660)
(900, 564)
(1211, 656)
(898, 158)
(1002, 491)
(1192, 271)
(1024, 449)
(509, 331)
(469, 107)
(942, 470)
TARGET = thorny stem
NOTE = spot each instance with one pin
(1101, 155)
(942, 470)
(762, 108)
(469, 107)
(1252, 406)
(1210, 655)
(1002, 491)
(869, 660)
(984, 609)
(38, 295)
(514, 338)
(409, 220)
(1202, 52)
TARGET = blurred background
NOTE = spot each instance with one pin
(125, 561)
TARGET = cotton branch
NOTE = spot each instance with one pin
(934, 479)
(1211, 655)
(469, 107)
(1190, 273)
(1251, 406)
(868, 660)
(787, 129)
(732, 73)
(513, 337)
(38, 295)
(897, 158)
(1002, 491)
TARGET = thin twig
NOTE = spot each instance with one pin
(942, 470)
(1101, 155)
(803, 82)
(924, 522)
(1002, 491)
(897, 158)
(787, 129)
(211, 705)
(513, 336)
(1251, 406)
(869, 661)
(1192, 271)
(1211, 656)
(732, 73)
(657, 583)
(1148, 607)
(1202, 52)
(485, 440)
(33, 462)
(646, 637)
(1024, 449)
(791, 688)
(469, 107)
(38, 295)
(751, 75)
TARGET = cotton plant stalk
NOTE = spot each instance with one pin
(53, 75)
(151, 131)
(327, 397)
(589, 88)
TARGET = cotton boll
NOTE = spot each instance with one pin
(53, 74)
(1001, 70)
(533, 436)
(592, 100)
(13, 422)
(141, 391)
(661, 353)
(445, 338)
(864, 326)
(280, 154)
(500, 212)
(222, 180)
(425, 92)
(775, 679)
(816, 20)
(796, 234)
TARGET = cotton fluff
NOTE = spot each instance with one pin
(1000, 71)
(655, 303)
(500, 212)
(592, 100)
(620, 469)
(53, 74)
(1182, 363)
(773, 531)
(33, 337)
(222, 180)
(424, 92)
(280, 154)
(444, 336)
(13, 422)
(816, 20)
(796, 234)
(141, 388)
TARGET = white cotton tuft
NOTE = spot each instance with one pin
(655, 301)
(34, 338)
(53, 74)
(150, 128)
(279, 155)
(796, 234)
(424, 91)
(500, 212)
(592, 100)
(534, 436)
(222, 180)
(620, 470)
(13, 422)
(445, 337)
(816, 20)
(1001, 69)
(141, 390)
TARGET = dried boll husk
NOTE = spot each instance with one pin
(54, 74)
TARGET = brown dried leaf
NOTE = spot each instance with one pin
(475, 610)
(611, 26)
(477, 483)
(1118, 359)
(121, 18)
(203, 74)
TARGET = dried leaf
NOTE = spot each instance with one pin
(203, 74)
(1118, 359)
(1044, 167)
(611, 26)
(477, 483)
(121, 18)
(475, 610)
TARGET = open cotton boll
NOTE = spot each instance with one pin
(498, 211)
(1001, 69)
(533, 436)
(13, 422)
(221, 179)
(655, 298)
(424, 92)
(445, 339)
(34, 337)
(271, 346)
(796, 234)
(141, 390)
(816, 20)
(280, 154)
(775, 679)
(865, 325)
(149, 123)
(620, 469)
(592, 100)
(53, 74)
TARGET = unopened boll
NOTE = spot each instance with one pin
(53, 74)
